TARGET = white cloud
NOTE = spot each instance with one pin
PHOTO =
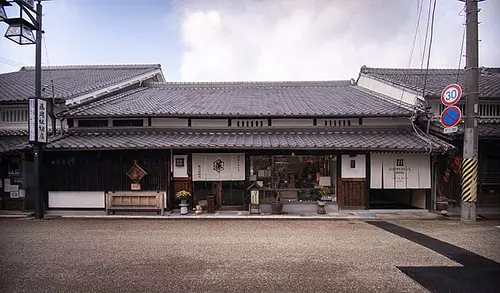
(315, 39)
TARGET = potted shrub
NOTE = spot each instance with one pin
(322, 193)
(441, 203)
(183, 195)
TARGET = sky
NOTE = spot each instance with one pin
(261, 40)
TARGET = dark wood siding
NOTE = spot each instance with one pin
(105, 170)
(353, 194)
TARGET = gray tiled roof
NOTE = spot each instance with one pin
(396, 140)
(317, 98)
(437, 79)
(13, 140)
(69, 81)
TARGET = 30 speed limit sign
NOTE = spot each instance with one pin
(451, 94)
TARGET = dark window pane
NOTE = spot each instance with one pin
(128, 122)
(92, 123)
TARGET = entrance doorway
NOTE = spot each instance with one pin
(232, 193)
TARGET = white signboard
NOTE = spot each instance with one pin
(42, 121)
(254, 196)
(400, 171)
(32, 119)
(218, 167)
(450, 129)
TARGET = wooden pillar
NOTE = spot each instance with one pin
(367, 180)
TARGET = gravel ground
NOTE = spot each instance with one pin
(72, 255)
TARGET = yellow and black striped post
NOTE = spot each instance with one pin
(469, 180)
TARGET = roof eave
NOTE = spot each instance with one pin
(239, 116)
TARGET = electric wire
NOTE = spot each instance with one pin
(460, 57)
(420, 4)
(48, 67)
(430, 34)
(426, 33)
(11, 62)
(430, 48)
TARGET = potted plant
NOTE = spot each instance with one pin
(441, 203)
(183, 195)
(322, 193)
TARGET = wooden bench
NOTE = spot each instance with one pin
(134, 201)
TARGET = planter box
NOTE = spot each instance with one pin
(441, 206)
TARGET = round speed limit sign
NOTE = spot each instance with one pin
(451, 94)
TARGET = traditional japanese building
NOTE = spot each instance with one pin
(64, 87)
(219, 138)
(411, 86)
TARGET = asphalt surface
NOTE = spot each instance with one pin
(92, 255)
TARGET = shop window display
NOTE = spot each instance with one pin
(295, 178)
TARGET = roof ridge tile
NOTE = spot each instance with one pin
(93, 66)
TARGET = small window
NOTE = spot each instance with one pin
(128, 122)
(179, 162)
(353, 163)
(400, 162)
(92, 123)
(14, 115)
(261, 123)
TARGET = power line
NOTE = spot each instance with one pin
(419, 13)
(417, 24)
(430, 48)
(11, 62)
(426, 34)
(48, 67)
(463, 41)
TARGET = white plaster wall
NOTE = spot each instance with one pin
(388, 90)
(386, 121)
(76, 199)
(180, 171)
(209, 123)
(169, 122)
(292, 122)
(358, 172)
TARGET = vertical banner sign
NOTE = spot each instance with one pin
(32, 120)
(42, 121)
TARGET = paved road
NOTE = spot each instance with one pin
(247, 256)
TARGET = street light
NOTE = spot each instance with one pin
(3, 14)
(20, 31)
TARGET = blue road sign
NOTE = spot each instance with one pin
(451, 116)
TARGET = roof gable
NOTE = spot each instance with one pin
(248, 99)
(66, 82)
(437, 79)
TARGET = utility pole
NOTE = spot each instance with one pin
(470, 157)
(38, 147)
